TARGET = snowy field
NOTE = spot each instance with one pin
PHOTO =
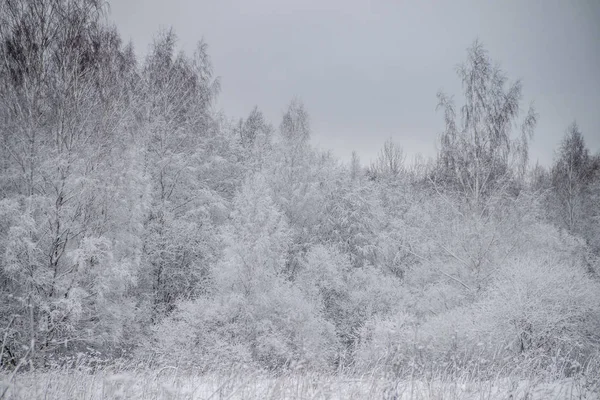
(168, 383)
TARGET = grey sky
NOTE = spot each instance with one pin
(367, 71)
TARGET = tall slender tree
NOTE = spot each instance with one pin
(571, 172)
(478, 153)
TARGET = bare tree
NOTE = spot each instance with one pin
(570, 173)
(478, 153)
(390, 161)
(252, 127)
(295, 126)
(355, 167)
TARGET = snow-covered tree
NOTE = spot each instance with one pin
(252, 314)
(67, 80)
(478, 153)
(571, 172)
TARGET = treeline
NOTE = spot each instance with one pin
(138, 222)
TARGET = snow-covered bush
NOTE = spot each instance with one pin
(274, 329)
(253, 314)
(536, 307)
(349, 296)
(539, 304)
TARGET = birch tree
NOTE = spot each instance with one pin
(479, 154)
(570, 174)
(60, 131)
(390, 161)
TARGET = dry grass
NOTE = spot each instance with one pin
(243, 383)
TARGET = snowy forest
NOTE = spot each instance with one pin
(139, 224)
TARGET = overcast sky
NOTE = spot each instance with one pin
(367, 71)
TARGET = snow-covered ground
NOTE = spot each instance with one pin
(172, 384)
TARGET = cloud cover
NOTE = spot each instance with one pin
(370, 70)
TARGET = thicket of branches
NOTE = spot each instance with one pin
(136, 221)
